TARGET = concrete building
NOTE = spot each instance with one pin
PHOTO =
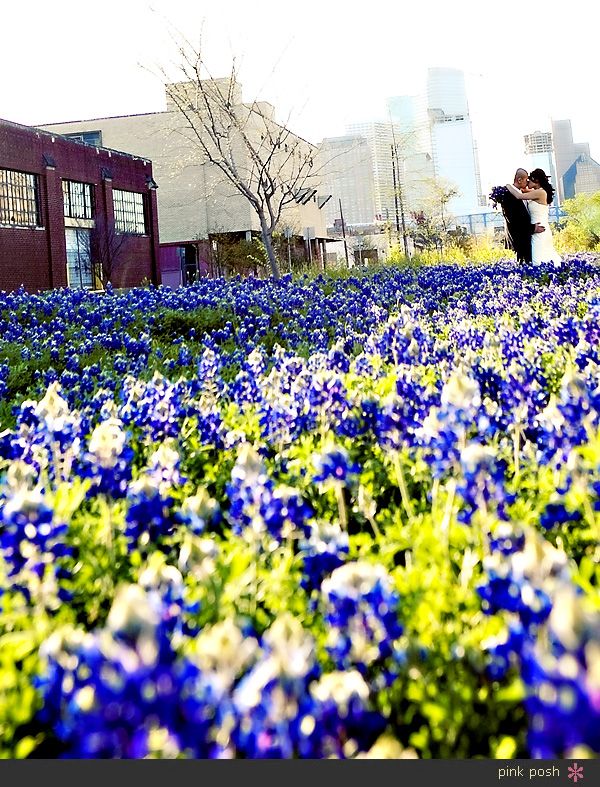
(379, 136)
(346, 171)
(196, 201)
(73, 214)
(566, 151)
(413, 169)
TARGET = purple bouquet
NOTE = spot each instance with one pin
(497, 194)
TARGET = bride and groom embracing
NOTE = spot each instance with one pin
(525, 208)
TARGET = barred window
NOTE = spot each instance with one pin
(77, 198)
(19, 199)
(129, 212)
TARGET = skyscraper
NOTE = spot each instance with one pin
(575, 159)
(409, 116)
(452, 144)
(439, 124)
(346, 172)
(379, 136)
(582, 177)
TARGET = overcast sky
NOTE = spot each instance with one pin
(328, 62)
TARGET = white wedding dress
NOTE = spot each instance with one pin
(542, 245)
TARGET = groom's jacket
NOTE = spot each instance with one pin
(519, 228)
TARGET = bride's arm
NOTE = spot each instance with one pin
(533, 194)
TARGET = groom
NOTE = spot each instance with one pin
(519, 228)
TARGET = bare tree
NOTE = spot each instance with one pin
(263, 160)
(432, 225)
(107, 250)
(442, 191)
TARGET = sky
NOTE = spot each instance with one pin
(323, 63)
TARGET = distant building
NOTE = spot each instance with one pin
(346, 171)
(439, 126)
(538, 142)
(197, 204)
(566, 152)
(452, 143)
(539, 154)
(431, 135)
(379, 137)
(582, 177)
(72, 214)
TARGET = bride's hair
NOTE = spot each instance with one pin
(540, 177)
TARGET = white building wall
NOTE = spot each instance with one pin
(194, 198)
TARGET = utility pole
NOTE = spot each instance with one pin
(288, 234)
(404, 238)
(395, 191)
(309, 246)
(344, 234)
(398, 190)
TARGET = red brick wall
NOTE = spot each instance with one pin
(36, 258)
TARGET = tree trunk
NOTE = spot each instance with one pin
(267, 239)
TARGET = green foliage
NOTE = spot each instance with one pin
(581, 230)
(441, 701)
(235, 257)
(170, 324)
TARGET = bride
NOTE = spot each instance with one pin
(539, 195)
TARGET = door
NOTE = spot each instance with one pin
(189, 263)
(79, 262)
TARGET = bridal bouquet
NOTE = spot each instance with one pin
(497, 194)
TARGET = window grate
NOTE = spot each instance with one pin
(130, 215)
(19, 199)
(77, 198)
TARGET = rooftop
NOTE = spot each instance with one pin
(44, 132)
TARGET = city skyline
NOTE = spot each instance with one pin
(329, 68)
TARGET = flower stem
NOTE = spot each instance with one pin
(517, 451)
(402, 485)
(339, 493)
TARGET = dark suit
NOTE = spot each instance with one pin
(519, 228)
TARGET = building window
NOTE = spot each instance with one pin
(19, 199)
(129, 212)
(77, 198)
(89, 137)
(79, 262)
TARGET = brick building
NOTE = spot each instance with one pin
(73, 214)
(198, 204)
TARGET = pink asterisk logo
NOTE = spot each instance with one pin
(575, 772)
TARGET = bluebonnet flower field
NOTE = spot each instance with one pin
(334, 517)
